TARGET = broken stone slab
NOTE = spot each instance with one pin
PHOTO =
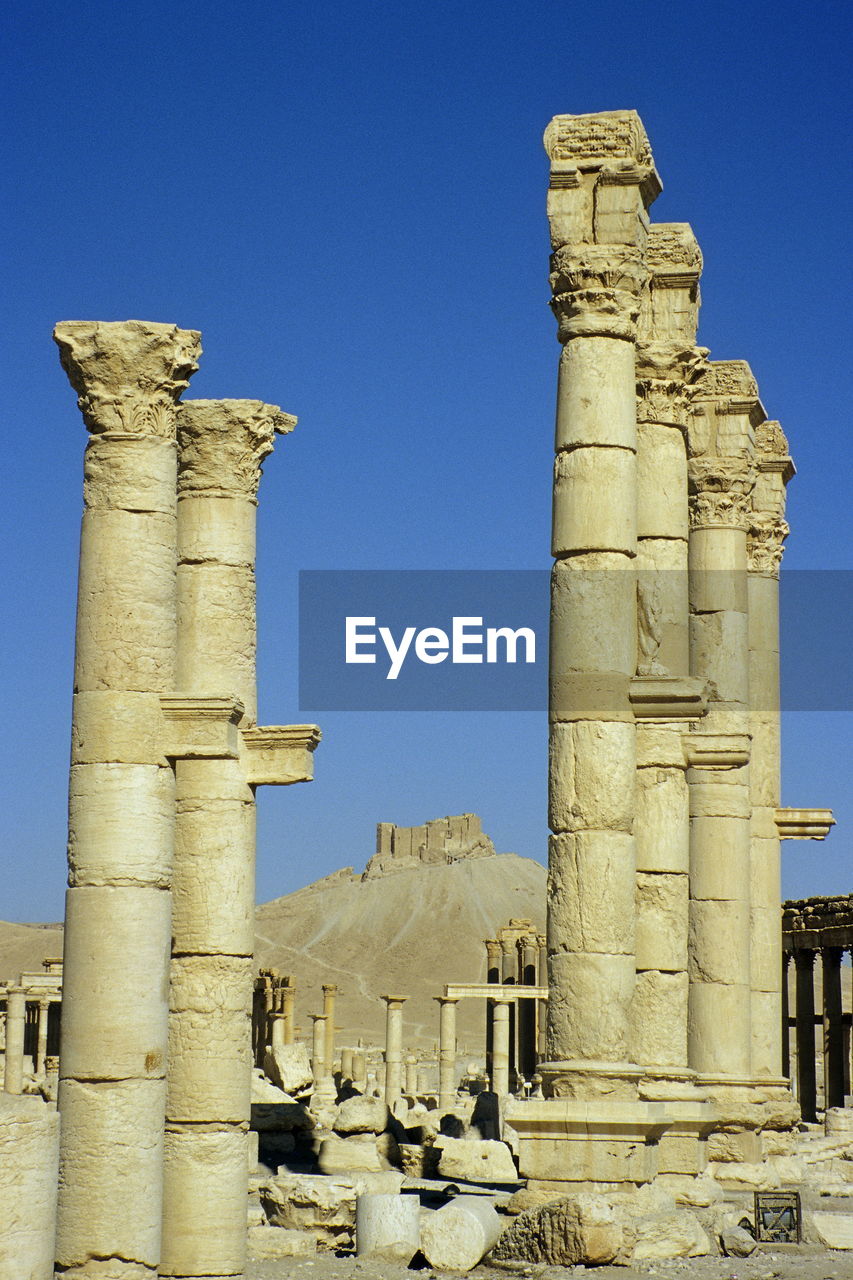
(387, 1227)
(474, 1160)
(670, 1235)
(288, 1067)
(280, 1242)
(358, 1154)
(457, 1236)
(322, 1205)
(584, 1228)
(361, 1115)
(834, 1230)
(736, 1242)
(264, 1091)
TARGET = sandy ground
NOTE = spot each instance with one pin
(792, 1262)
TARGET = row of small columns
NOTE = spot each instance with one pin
(524, 960)
(835, 1068)
(16, 1023)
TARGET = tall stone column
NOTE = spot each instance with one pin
(833, 1033)
(41, 1036)
(493, 974)
(527, 1008)
(446, 1052)
(509, 977)
(222, 444)
(288, 997)
(16, 1019)
(805, 1008)
(112, 1086)
(393, 1048)
(318, 1048)
(500, 1047)
(767, 532)
(668, 366)
(602, 180)
(722, 478)
(329, 993)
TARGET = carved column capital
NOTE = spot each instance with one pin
(128, 375)
(720, 492)
(667, 378)
(224, 442)
(764, 543)
(596, 290)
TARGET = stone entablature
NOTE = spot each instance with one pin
(818, 922)
(439, 841)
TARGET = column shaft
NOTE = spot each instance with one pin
(16, 1018)
(393, 1048)
(446, 1053)
(805, 1011)
(121, 794)
(833, 1028)
(41, 1036)
(329, 993)
(500, 1049)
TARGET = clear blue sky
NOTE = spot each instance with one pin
(348, 200)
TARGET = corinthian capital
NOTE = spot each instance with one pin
(222, 444)
(764, 543)
(596, 290)
(667, 378)
(129, 374)
(720, 493)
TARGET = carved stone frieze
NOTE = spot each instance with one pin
(766, 536)
(128, 375)
(596, 290)
(720, 493)
(223, 443)
(614, 143)
(672, 248)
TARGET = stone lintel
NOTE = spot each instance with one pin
(492, 991)
(672, 698)
(716, 750)
(804, 824)
(201, 728)
(280, 754)
(611, 142)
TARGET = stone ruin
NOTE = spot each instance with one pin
(657, 994)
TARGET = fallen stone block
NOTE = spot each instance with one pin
(475, 1161)
(387, 1227)
(671, 1235)
(322, 1205)
(279, 1242)
(584, 1228)
(457, 1236)
(834, 1230)
(346, 1155)
(288, 1067)
(736, 1242)
(361, 1115)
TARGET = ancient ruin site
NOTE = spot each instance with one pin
(442, 1058)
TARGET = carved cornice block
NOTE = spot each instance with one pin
(673, 255)
(716, 750)
(804, 824)
(671, 698)
(201, 728)
(223, 443)
(128, 375)
(607, 140)
(771, 450)
(280, 754)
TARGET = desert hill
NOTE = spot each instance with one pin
(414, 920)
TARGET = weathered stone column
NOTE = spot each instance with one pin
(786, 1018)
(805, 1010)
(112, 1091)
(602, 179)
(41, 1036)
(411, 1075)
(393, 1048)
(527, 1008)
(329, 993)
(318, 1049)
(722, 477)
(500, 1047)
(222, 756)
(509, 977)
(16, 1019)
(288, 997)
(668, 365)
(277, 1040)
(767, 533)
(833, 1032)
(493, 974)
(446, 1052)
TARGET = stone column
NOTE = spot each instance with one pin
(318, 1048)
(721, 479)
(288, 997)
(329, 993)
(833, 1028)
(493, 974)
(542, 1009)
(446, 1052)
(411, 1075)
(41, 1036)
(222, 444)
(277, 1040)
(805, 1011)
(500, 1048)
(602, 179)
(668, 366)
(16, 1019)
(527, 1009)
(767, 533)
(509, 977)
(112, 1085)
(393, 1048)
(786, 1018)
(346, 1065)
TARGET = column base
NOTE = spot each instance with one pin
(683, 1149)
(746, 1108)
(582, 1079)
(601, 1141)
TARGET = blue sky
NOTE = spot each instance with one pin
(348, 200)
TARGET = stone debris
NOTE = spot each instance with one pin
(388, 1227)
(361, 1115)
(324, 1206)
(279, 1242)
(475, 1161)
(736, 1242)
(457, 1236)
(583, 1228)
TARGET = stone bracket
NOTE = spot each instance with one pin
(280, 754)
(716, 750)
(668, 698)
(804, 824)
(200, 728)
